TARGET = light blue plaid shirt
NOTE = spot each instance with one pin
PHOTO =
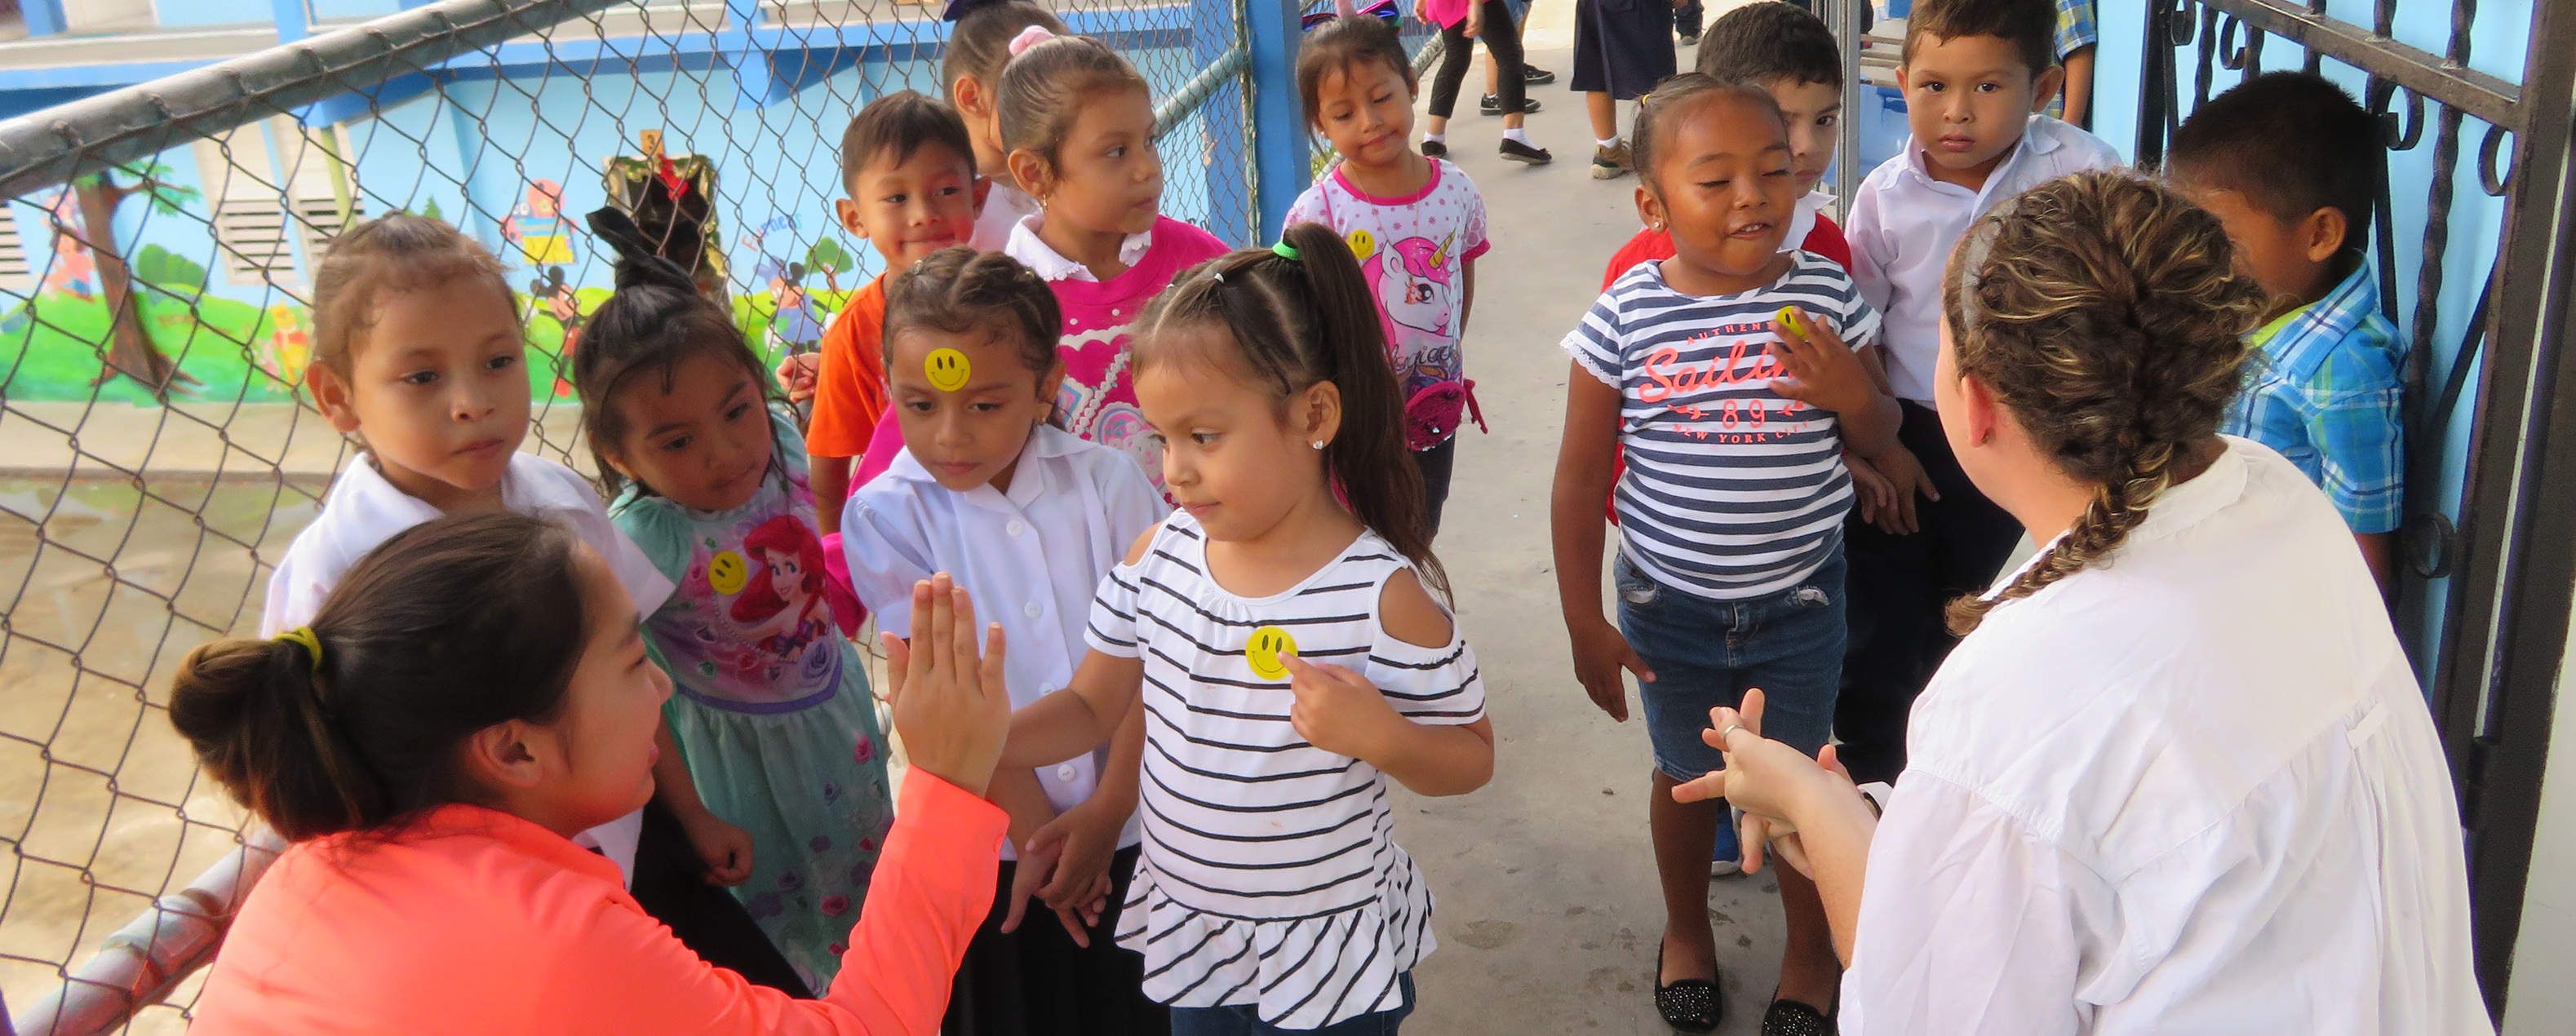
(2322, 386)
(2075, 31)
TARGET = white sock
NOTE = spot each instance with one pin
(1608, 142)
(1515, 133)
(1435, 138)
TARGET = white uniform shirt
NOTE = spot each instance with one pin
(1032, 558)
(1005, 206)
(363, 510)
(1904, 223)
(1033, 252)
(2196, 790)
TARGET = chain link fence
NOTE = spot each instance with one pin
(155, 265)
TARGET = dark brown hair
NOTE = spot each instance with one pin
(2290, 142)
(1683, 94)
(2030, 26)
(980, 43)
(655, 321)
(899, 124)
(2107, 314)
(958, 289)
(1043, 87)
(1292, 323)
(397, 251)
(449, 627)
(1763, 43)
(1345, 44)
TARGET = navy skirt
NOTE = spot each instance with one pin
(1622, 47)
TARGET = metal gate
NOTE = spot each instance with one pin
(2491, 407)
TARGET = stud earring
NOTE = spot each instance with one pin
(1318, 444)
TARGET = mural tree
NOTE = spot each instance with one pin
(128, 350)
(828, 257)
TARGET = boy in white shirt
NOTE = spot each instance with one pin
(1975, 75)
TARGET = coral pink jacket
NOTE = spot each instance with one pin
(479, 921)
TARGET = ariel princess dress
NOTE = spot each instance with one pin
(772, 708)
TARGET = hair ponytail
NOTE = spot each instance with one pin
(2107, 314)
(655, 320)
(1296, 322)
(447, 628)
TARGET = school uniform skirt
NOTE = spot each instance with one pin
(1036, 982)
(1622, 47)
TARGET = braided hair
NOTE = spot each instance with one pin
(2107, 314)
(655, 321)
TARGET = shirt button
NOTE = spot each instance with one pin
(1066, 772)
(1016, 527)
(1035, 609)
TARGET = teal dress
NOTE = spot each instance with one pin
(772, 709)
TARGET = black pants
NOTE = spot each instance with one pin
(1036, 982)
(1502, 38)
(670, 883)
(1688, 18)
(1899, 586)
(1436, 464)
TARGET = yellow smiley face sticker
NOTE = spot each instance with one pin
(1789, 318)
(727, 572)
(1363, 244)
(947, 369)
(1269, 651)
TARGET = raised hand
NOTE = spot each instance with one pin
(949, 705)
(1817, 368)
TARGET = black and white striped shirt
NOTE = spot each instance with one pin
(1732, 491)
(1270, 874)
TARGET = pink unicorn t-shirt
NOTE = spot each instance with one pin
(1414, 251)
(1098, 401)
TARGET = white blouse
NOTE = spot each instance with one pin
(1031, 558)
(364, 510)
(2195, 790)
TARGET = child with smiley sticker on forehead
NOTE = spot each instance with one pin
(1027, 517)
(772, 720)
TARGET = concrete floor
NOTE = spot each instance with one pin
(1548, 912)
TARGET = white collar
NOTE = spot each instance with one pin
(1032, 251)
(2037, 138)
(1028, 481)
(2177, 509)
(1802, 219)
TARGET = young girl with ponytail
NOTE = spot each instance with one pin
(1271, 895)
(470, 695)
(773, 723)
(2179, 771)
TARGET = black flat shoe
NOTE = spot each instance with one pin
(1690, 1005)
(1792, 1018)
(1492, 104)
(1434, 149)
(1535, 76)
(1516, 151)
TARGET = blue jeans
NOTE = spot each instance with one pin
(1242, 1020)
(1706, 653)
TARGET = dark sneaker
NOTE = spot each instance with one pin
(1610, 163)
(1516, 151)
(1690, 39)
(1491, 104)
(1535, 76)
(1434, 148)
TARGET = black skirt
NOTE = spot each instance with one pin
(1037, 982)
(1622, 47)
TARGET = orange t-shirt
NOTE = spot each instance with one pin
(478, 921)
(850, 389)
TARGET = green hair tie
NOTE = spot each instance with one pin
(312, 644)
(1286, 251)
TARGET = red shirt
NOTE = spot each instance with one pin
(850, 389)
(1825, 240)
